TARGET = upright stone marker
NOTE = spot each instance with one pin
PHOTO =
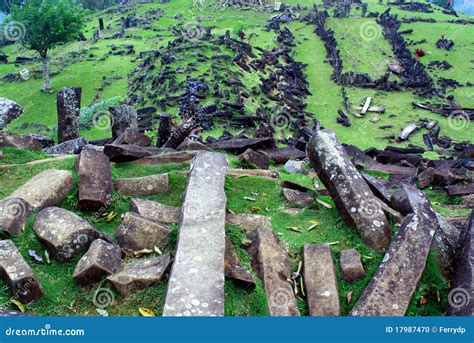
(196, 285)
(123, 117)
(69, 109)
(354, 200)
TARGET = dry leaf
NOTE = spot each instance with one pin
(349, 297)
(325, 204)
(111, 216)
(294, 228)
(158, 251)
(18, 304)
(423, 300)
(143, 252)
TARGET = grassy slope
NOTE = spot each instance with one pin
(63, 298)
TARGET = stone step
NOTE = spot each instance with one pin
(14, 270)
(48, 188)
(196, 285)
(319, 275)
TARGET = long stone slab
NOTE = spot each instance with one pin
(390, 291)
(196, 285)
(353, 198)
(146, 185)
(271, 263)
(319, 275)
(95, 180)
(21, 280)
(48, 188)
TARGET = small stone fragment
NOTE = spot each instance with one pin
(14, 213)
(351, 265)
(155, 211)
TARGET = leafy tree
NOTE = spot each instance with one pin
(5, 5)
(46, 24)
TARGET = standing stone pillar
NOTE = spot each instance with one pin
(123, 117)
(69, 109)
(364, 8)
(101, 24)
(164, 130)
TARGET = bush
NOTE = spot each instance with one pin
(86, 119)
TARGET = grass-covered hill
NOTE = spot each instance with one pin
(170, 39)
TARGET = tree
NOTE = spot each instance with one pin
(46, 24)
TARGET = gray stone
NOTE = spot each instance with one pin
(247, 221)
(140, 275)
(353, 198)
(9, 111)
(234, 268)
(14, 270)
(95, 180)
(63, 233)
(73, 146)
(254, 159)
(271, 263)
(294, 167)
(48, 188)
(237, 145)
(101, 260)
(461, 296)
(155, 211)
(297, 197)
(137, 233)
(319, 275)
(123, 117)
(198, 271)
(69, 110)
(30, 141)
(132, 136)
(125, 152)
(167, 157)
(14, 213)
(390, 291)
(351, 265)
(192, 146)
(141, 186)
(283, 155)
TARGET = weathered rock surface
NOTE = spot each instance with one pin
(155, 211)
(95, 180)
(14, 270)
(353, 197)
(141, 274)
(123, 117)
(132, 136)
(238, 146)
(192, 146)
(69, 109)
(48, 188)
(137, 233)
(461, 296)
(168, 157)
(234, 268)
(140, 186)
(125, 152)
(295, 167)
(9, 111)
(30, 141)
(254, 159)
(101, 260)
(10, 313)
(63, 233)
(351, 265)
(248, 221)
(282, 155)
(198, 271)
(73, 146)
(390, 291)
(297, 197)
(14, 213)
(271, 263)
(319, 275)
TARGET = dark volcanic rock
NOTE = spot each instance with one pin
(254, 159)
(125, 152)
(48, 188)
(63, 233)
(17, 274)
(155, 211)
(69, 109)
(236, 145)
(282, 155)
(351, 265)
(353, 197)
(30, 141)
(146, 185)
(234, 268)
(123, 117)
(140, 274)
(271, 263)
(319, 274)
(137, 233)
(132, 136)
(73, 146)
(102, 259)
(297, 197)
(9, 111)
(95, 180)
(14, 212)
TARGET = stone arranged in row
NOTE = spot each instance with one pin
(142, 186)
(20, 278)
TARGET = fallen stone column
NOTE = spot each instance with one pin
(141, 186)
(69, 109)
(14, 270)
(48, 188)
(271, 263)
(155, 211)
(198, 271)
(234, 268)
(353, 198)
(95, 180)
(319, 275)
